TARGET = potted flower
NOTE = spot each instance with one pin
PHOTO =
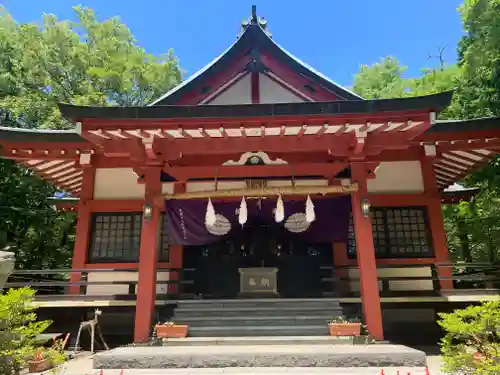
(40, 361)
(344, 327)
(170, 329)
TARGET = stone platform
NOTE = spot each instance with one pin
(220, 356)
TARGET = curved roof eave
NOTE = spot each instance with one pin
(477, 124)
(327, 82)
(314, 71)
(434, 102)
(39, 135)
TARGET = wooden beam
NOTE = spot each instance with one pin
(268, 191)
(255, 87)
(257, 171)
(237, 122)
(336, 145)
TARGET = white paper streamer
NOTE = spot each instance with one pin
(210, 218)
(310, 214)
(243, 212)
(279, 214)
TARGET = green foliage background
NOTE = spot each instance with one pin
(475, 329)
(88, 62)
(19, 329)
(473, 229)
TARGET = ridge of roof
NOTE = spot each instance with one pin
(249, 27)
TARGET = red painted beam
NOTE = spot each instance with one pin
(238, 122)
(255, 87)
(260, 171)
(335, 145)
(118, 205)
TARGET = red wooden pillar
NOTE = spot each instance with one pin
(82, 236)
(148, 257)
(436, 222)
(365, 252)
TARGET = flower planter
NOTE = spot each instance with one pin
(344, 329)
(39, 366)
(171, 330)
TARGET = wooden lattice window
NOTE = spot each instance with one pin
(116, 237)
(398, 232)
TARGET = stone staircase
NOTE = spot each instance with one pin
(257, 317)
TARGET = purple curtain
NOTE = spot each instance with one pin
(186, 219)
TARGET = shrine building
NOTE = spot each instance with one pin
(261, 177)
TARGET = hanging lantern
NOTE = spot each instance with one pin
(210, 214)
(279, 214)
(243, 212)
(310, 214)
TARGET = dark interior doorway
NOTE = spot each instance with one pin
(259, 244)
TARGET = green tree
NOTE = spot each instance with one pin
(478, 94)
(471, 343)
(40, 236)
(381, 80)
(19, 329)
(87, 62)
(385, 79)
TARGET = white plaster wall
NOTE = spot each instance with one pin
(111, 289)
(117, 183)
(398, 285)
(271, 92)
(397, 177)
(167, 188)
(238, 93)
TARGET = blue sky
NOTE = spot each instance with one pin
(334, 36)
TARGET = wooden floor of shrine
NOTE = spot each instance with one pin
(456, 296)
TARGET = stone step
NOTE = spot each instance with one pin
(254, 321)
(258, 318)
(264, 340)
(259, 330)
(223, 356)
(267, 311)
(199, 304)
